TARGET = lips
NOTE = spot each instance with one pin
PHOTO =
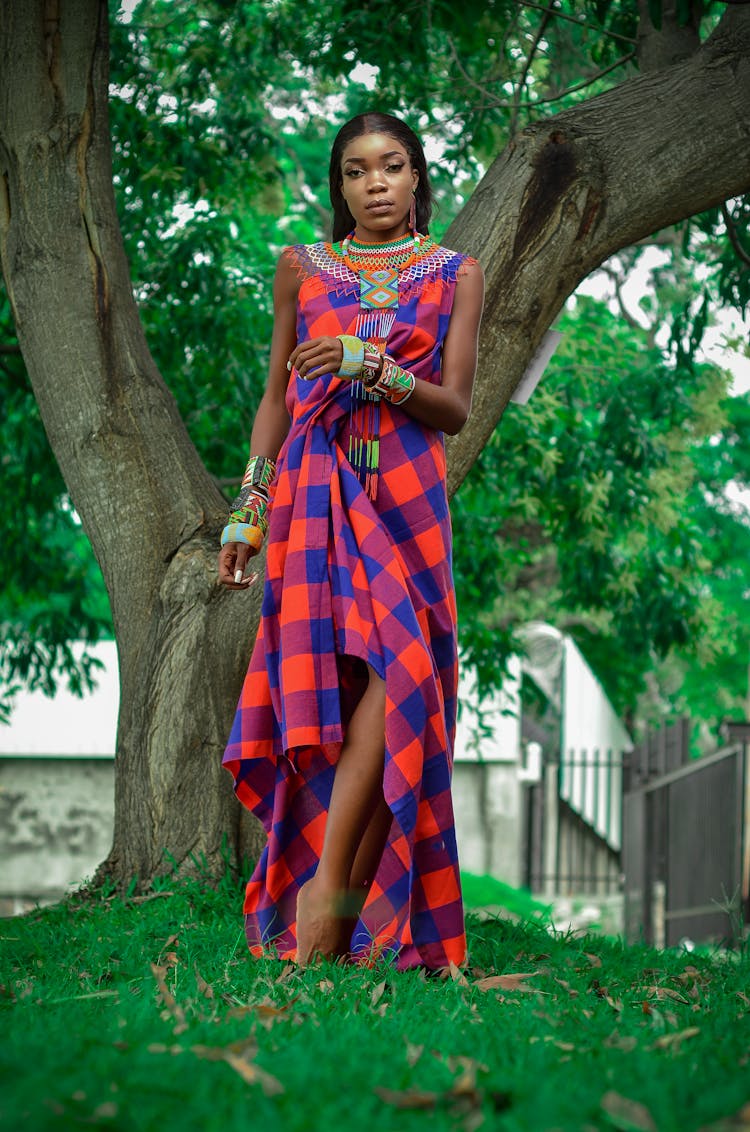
(379, 205)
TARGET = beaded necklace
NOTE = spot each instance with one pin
(377, 266)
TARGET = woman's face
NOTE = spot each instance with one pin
(378, 182)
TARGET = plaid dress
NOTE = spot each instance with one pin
(352, 579)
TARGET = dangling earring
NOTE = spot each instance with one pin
(413, 213)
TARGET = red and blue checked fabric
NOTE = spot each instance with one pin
(352, 579)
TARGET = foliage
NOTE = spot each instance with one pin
(127, 1014)
(605, 498)
(51, 594)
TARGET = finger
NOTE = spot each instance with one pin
(313, 347)
(240, 562)
(315, 362)
(226, 564)
(298, 352)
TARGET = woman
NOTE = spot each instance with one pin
(342, 742)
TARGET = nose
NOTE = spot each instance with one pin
(375, 181)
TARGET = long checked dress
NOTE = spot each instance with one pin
(358, 570)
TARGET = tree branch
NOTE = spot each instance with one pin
(579, 23)
(10, 349)
(585, 82)
(526, 68)
(570, 191)
(733, 235)
(506, 104)
(631, 320)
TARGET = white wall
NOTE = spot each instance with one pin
(57, 788)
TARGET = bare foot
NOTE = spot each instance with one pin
(324, 923)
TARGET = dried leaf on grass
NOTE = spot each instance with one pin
(571, 991)
(266, 1010)
(408, 1098)
(104, 1111)
(239, 1055)
(626, 1114)
(254, 1075)
(377, 993)
(508, 982)
(464, 1098)
(603, 992)
(171, 1006)
(413, 1054)
(204, 988)
(287, 971)
(626, 1042)
(691, 975)
(148, 897)
(740, 1120)
(457, 975)
(675, 1039)
(666, 992)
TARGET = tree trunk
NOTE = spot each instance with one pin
(566, 193)
(147, 503)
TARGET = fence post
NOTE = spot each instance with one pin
(551, 827)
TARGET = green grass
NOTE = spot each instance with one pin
(487, 891)
(599, 1036)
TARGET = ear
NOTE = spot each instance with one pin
(414, 180)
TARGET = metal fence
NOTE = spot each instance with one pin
(686, 836)
(573, 826)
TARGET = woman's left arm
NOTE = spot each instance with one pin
(447, 406)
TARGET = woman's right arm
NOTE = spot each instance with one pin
(271, 423)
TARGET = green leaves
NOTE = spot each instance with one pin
(597, 500)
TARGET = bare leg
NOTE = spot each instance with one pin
(327, 903)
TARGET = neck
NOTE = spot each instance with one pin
(367, 236)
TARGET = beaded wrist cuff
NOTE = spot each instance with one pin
(395, 384)
(248, 519)
(243, 532)
(354, 351)
(371, 364)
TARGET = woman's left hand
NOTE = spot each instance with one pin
(317, 356)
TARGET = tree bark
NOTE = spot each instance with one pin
(565, 194)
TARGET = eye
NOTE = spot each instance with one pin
(394, 168)
(353, 173)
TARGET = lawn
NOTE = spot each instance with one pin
(146, 1014)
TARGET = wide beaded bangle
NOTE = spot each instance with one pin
(251, 526)
(371, 364)
(395, 384)
(248, 519)
(354, 352)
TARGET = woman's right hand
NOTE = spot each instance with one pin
(316, 356)
(233, 559)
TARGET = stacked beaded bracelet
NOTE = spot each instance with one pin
(379, 372)
(248, 521)
(394, 384)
